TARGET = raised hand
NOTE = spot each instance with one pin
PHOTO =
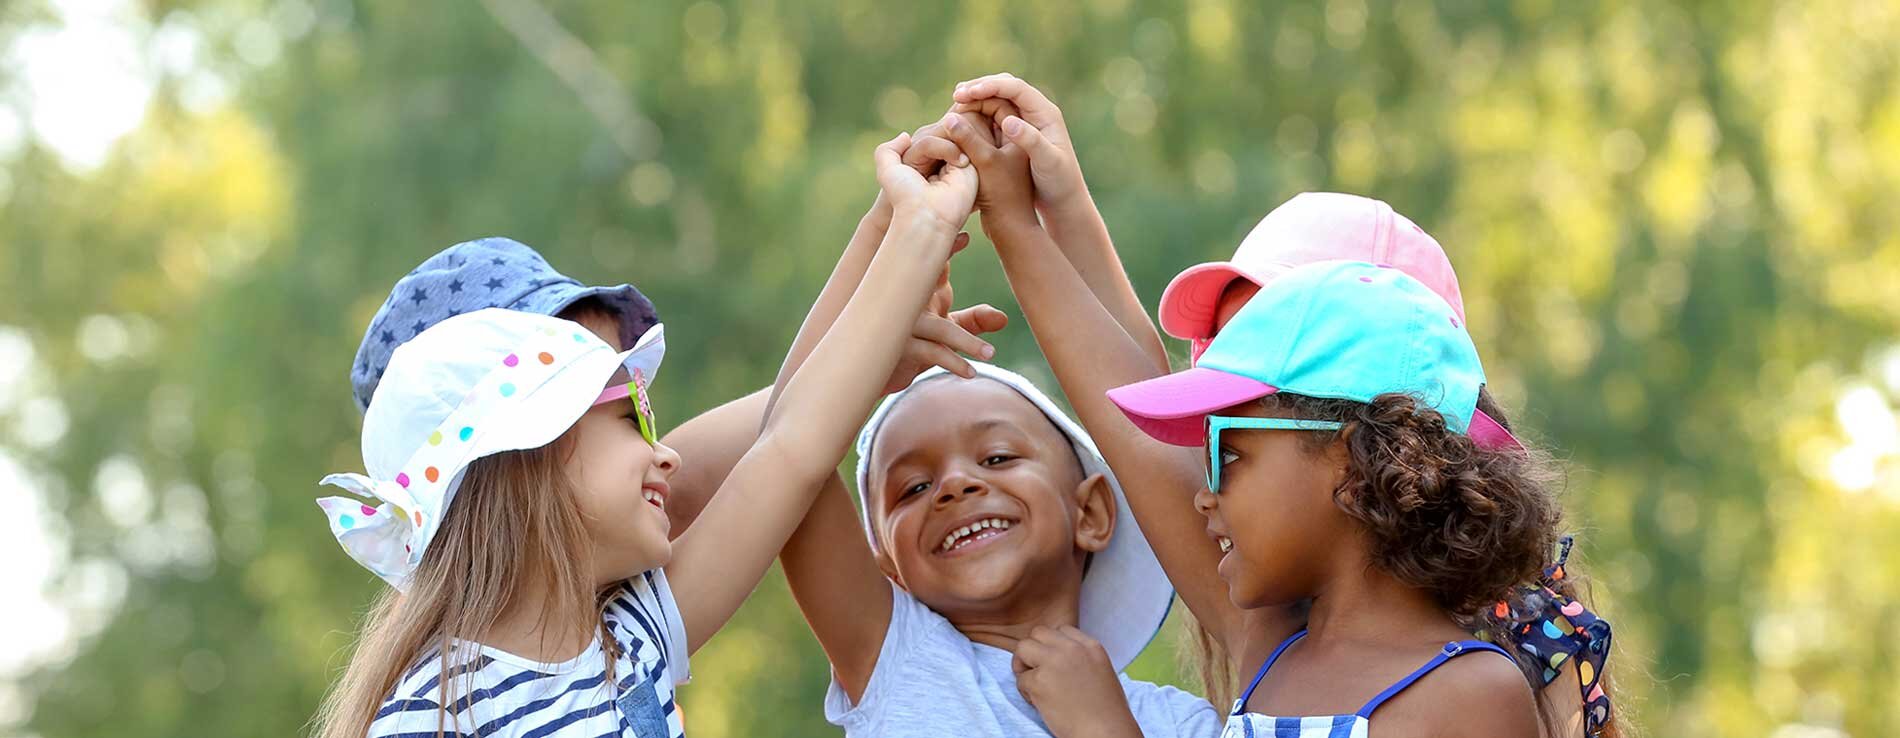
(945, 196)
(1007, 195)
(1039, 130)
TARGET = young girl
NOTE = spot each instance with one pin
(1334, 407)
(1097, 337)
(522, 490)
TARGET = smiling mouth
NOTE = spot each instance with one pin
(654, 498)
(980, 530)
(1226, 544)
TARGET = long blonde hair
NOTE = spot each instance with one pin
(515, 519)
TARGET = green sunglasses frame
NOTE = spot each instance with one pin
(636, 388)
(1218, 423)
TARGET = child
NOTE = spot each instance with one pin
(513, 458)
(1334, 408)
(1083, 335)
(995, 564)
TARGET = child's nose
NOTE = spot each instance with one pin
(1205, 501)
(666, 459)
(957, 486)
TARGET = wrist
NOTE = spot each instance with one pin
(879, 216)
(917, 221)
(1010, 232)
(1070, 210)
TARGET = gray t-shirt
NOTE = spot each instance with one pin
(933, 682)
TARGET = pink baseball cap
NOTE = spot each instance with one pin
(1313, 226)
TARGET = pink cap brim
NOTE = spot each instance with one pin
(1171, 408)
(1490, 434)
(1192, 297)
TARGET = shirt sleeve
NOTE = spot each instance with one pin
(900, 644)
(1194, 716)
(654, 605)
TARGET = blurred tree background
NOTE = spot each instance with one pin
(1677, 227)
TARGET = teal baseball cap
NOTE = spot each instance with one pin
(1346, 330)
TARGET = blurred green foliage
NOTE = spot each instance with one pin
(1677, 227)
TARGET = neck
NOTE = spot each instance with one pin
(525, 628)
(1014, 616)
(1361, 603)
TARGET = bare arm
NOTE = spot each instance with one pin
(828, 564)
(719, 561)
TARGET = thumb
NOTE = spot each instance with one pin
(980, 319)
(891, 153)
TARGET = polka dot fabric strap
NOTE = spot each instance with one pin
(1553, 629)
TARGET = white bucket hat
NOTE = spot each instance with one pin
(1125, 593)
(470, 386)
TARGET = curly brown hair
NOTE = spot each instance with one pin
(1466, 525)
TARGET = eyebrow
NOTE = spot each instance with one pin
(975, 428)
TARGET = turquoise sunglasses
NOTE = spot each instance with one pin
(1218, 423)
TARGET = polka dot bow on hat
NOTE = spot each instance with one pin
(471, 386)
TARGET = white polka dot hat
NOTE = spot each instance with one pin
(470, 386)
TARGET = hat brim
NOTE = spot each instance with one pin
(1171, 408)
(637, 314)
(1189, 303)
(559, 402)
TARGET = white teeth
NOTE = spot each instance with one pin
(652, 496)
(1226, 544)
(955, 536)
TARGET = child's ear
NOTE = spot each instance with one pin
(1095, 513)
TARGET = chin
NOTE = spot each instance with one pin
(990, 583)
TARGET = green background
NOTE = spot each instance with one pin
(1677, 227)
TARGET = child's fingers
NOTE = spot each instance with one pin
(968, 139)
(1030, 653)
(891, 153)
(980, 319)
(932, 353)
(1036, 107)
(1044, 157)
(943, 295)
(1084, 644)
(927, 149)
(947, 333)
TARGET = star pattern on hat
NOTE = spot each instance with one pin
(455, 286)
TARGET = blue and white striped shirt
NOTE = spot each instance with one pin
(513, 696)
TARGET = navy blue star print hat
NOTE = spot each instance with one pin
(470, 276)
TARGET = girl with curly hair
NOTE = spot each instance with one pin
(1335, 408)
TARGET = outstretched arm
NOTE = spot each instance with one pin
(719, 561)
